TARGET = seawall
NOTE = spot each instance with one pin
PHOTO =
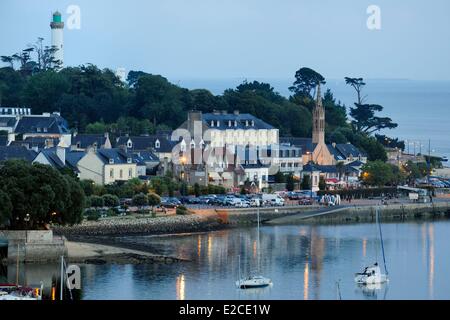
(352, 214)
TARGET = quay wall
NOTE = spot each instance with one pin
(355, 214)
(33, 246)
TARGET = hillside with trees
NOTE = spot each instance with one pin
(95, 101)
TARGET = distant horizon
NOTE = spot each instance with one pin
(239, 39)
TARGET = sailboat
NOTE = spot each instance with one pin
(372, 275)
(253, 281)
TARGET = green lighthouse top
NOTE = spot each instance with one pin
(57, 17)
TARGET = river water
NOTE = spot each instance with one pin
(304, 262)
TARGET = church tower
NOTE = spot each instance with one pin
(318, 135)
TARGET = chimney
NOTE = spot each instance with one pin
(11, 137)
(334, 144)
(61, 153)
(236, 112)
(194, 117)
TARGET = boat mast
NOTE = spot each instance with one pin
(258, 258)
(381, 240)
(62, 279)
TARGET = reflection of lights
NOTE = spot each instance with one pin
(199, 245)
(306, 282)
(180, 287)
(210, 239)
(364, 247)
(255, 249)
(303, 232)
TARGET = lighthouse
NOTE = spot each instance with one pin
(57, 38)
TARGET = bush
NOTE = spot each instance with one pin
(92, 215)
(112, 213)
(140, 200)
(153, 199)
(182, 211)
(96, 201)
(110, 200)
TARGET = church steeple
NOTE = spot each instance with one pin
(318, 120)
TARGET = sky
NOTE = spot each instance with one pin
(243, 38)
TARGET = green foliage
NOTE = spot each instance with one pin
(182, 211)
(92, 215)
(378, 173)
(88, 187)
(96, 202)
(306, 79)
(306, 182)
(153, 199)
(290, 183)
(40, 195)
(322, 183)
(197, 190)
(110, 200)
(280, 177)
(6, 207)
(140, 200)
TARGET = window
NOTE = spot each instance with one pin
(212, 123)
(129, 160)
(38, 129)
(253, 123)
(157, 144)
(229, 123)
(111, 173)
(192, 144)
(235, 123)
(129, 144)
(218, 123)
(130, 173)
(246, 123)
(45, 130)
(121, 174)
(111, 161)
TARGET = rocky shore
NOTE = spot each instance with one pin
(140, 226)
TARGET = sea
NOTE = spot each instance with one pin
(421, 108)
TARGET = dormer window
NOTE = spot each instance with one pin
(45, 130)
(183, 146)
(111, 161)
(129, 160)
(129, 144)
(192, 144)
(235, 123)
(218, 123)
(38, 129)
(246, 123)
(212, 123)
(229, 123)
(157, 144)
(253, 123)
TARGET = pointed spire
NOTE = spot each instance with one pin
(319, 96)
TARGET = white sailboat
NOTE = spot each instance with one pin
(372, 275)
(257, 280)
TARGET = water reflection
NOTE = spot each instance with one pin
(304, 262)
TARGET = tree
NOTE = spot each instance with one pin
(140, 200)
(306, 80)
(322, 183)
(357, 84)
(6, 207)
(377, 173)
(365, 120)
(290, 184)
(153, 199)
(340, 167)
(110, 200)
(40, 195)
(197, 190)
(306, 182)
(96, 201)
